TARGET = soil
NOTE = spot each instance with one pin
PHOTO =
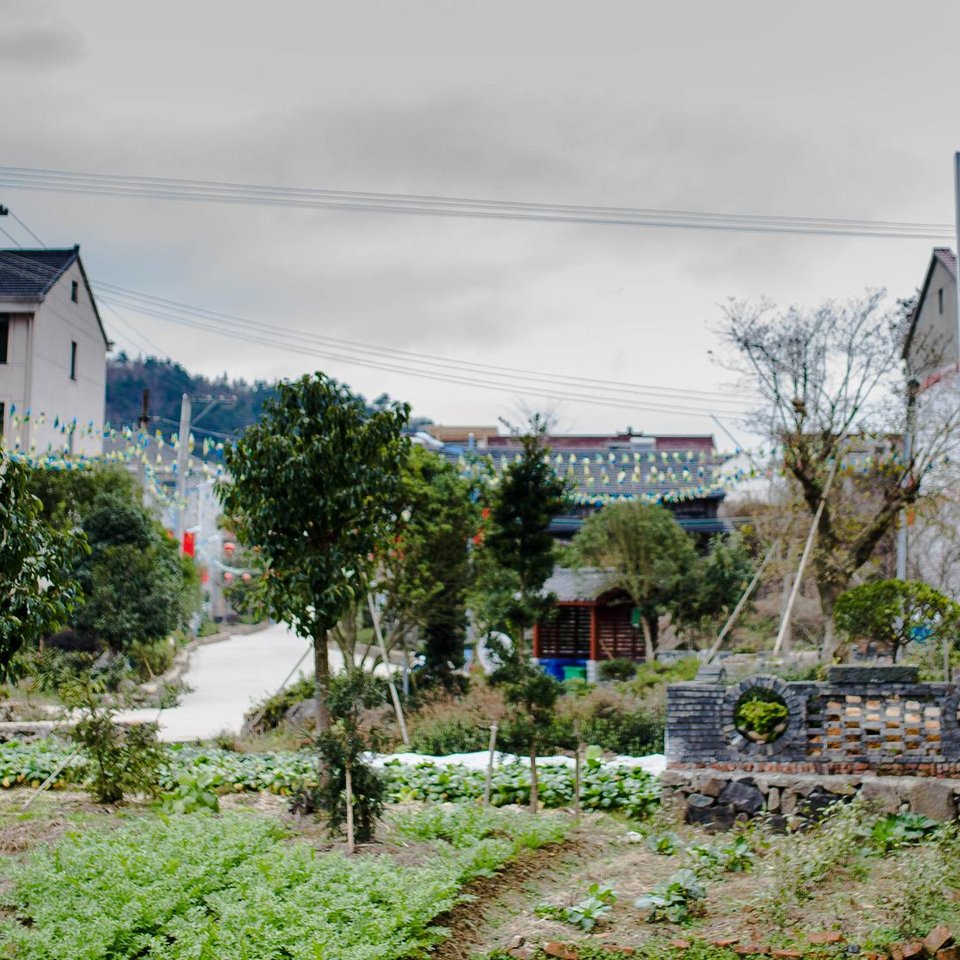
(601, 849)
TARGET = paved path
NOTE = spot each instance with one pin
(227, 678)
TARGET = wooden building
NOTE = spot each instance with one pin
(592, 620)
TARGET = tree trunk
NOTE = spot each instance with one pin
(650, 630)
(321, 682)
(534, 792)
(828, 597)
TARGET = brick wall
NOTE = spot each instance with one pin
(833, 727)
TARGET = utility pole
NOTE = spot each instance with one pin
(182, 454)
(913, 387)
(143, 425)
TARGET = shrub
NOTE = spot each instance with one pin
(269, 713)
(617, 669)
(120, 760)
(762, 713)
(341, 750)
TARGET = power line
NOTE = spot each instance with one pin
(393, 353)
(28, 230)
(287, 339)
(298, 342)
(214, 191)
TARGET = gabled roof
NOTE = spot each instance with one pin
(584, 584)
(946, 258)
(28, 276)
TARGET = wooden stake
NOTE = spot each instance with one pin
(741, 603)
(349, 792)
(386, 666)
(807, 548)
(576, 767)
(489, 781)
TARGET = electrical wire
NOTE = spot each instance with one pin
(387, 358)
(392, 352)
(299, 345)
(290, 340)
(213, 191)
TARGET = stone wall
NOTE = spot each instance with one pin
(719, 798)
(854, 723)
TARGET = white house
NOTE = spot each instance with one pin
(931, 346)
(53, 354)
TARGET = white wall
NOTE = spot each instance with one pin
(13, 373)
(49, 389)
(934, 345)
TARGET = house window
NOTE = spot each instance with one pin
(4, 336)
(75, 291)
(73, 359)
(940, 298)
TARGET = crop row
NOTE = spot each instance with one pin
(235, 886)
(627, 789)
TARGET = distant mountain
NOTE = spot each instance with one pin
(167, 381)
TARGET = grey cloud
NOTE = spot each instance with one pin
(49, 45)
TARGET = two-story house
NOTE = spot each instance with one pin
(53, 354)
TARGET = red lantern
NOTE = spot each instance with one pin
(245, 577)
(228, 576)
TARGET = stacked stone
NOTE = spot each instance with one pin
(720, 798)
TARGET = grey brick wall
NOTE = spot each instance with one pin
(860, 724)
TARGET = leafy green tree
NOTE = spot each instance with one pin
(426, 572)
(342, 747)
(718, 581)
(896, 613)
(138, 588)
(37, 588)
(314, 487)
(647, 550)
(533, 694)
(518, 550)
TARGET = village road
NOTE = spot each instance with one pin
(227, 678)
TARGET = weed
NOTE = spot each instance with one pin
(677, 899)
(588, 912)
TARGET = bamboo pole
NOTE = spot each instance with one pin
(489, 780)
(349, 792)
(805, 556)
(386, 665)
(741, 603)
(576, 767)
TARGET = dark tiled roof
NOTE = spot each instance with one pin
(29, 274)
(946, 257)
(587, 583)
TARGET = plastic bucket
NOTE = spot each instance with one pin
(574, 673)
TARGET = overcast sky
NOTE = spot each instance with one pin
(820, 109)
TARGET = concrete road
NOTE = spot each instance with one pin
(227, 678)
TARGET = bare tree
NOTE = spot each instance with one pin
(832, 391)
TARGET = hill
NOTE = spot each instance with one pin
(166, 380)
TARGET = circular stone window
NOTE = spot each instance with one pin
(761, 715)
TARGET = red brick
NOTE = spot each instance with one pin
(751, 950)
(949, 953)
(938, 938)
(912, 949)
(827, 936)
(725, 941)
(680, 944)
(562, 951)
(786, 954)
